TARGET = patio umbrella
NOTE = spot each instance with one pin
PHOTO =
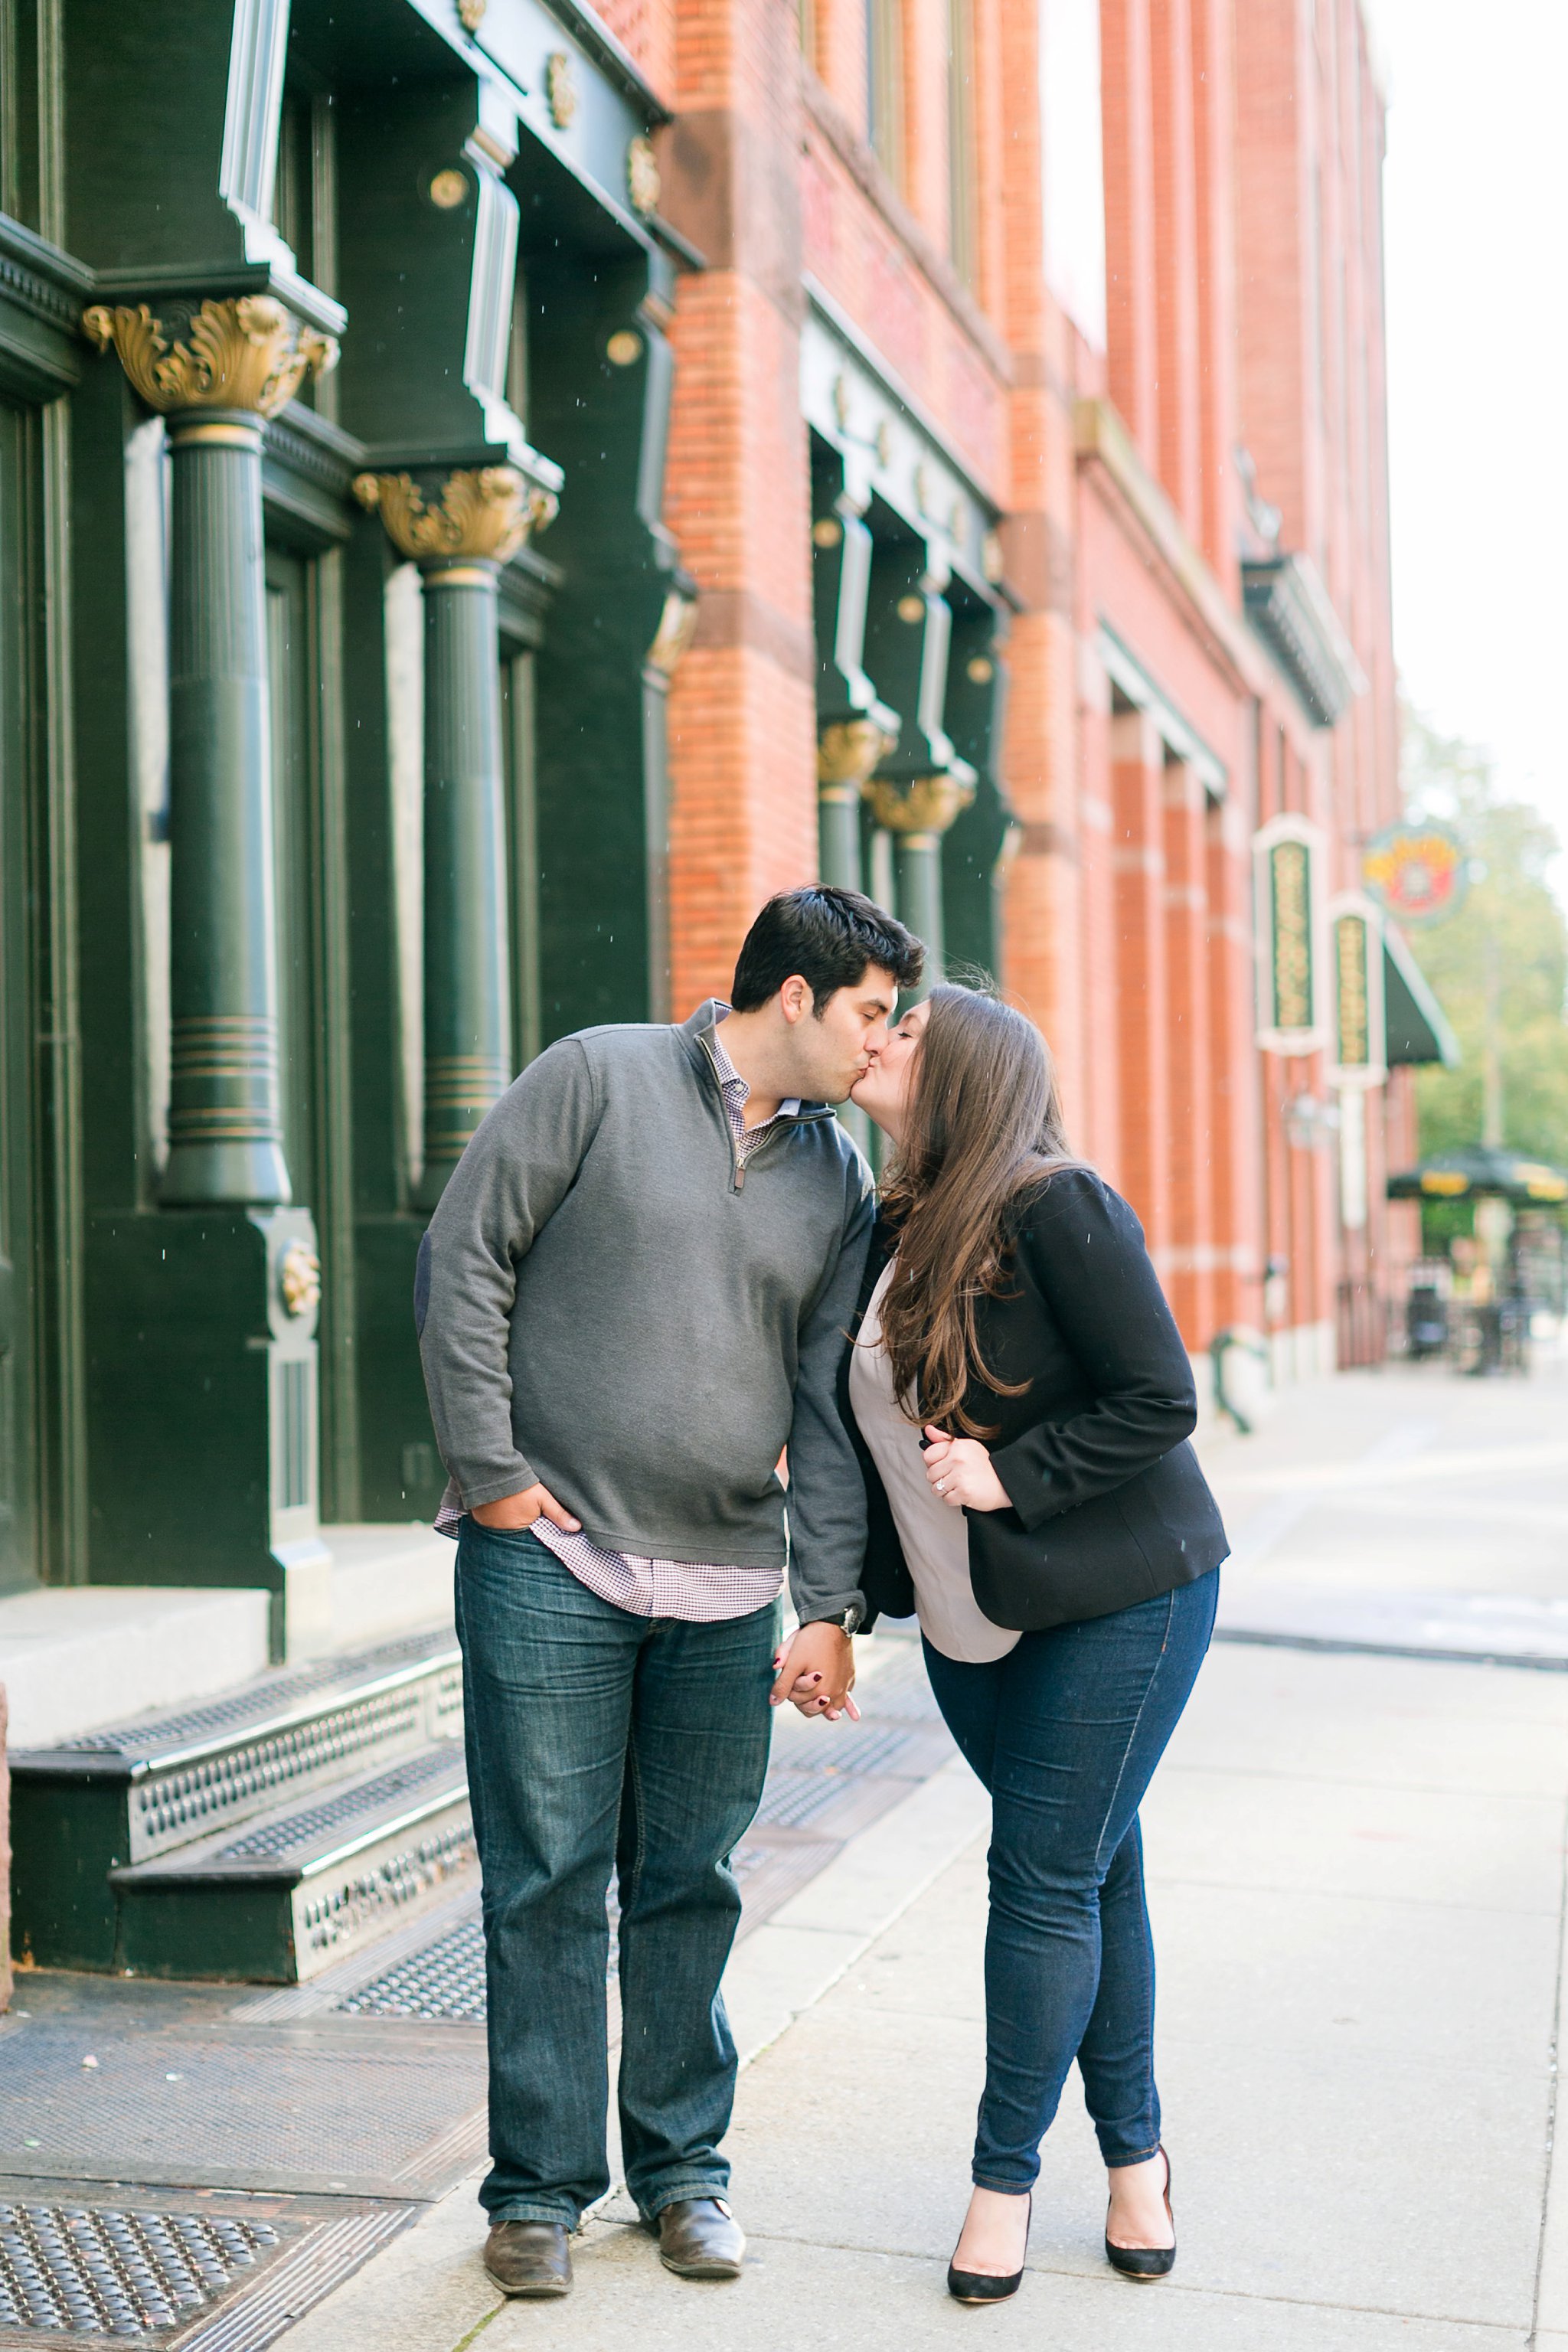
(1477, 1170)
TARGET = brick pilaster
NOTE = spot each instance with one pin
(1138, 860)
(1132, 299)
(1191, 1280)
(1236, 1151)
(743, 711)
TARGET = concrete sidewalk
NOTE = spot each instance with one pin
(1356, 1869)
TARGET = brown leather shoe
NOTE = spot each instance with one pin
(700, 2237)
(529, 2257)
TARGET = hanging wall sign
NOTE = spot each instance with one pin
(1360, 1046)
(1287, 856)
(1419, 872)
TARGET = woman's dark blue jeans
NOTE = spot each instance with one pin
(598, 1740)
(1065, 1732)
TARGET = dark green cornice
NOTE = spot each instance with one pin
(42, 291)
(307, 466)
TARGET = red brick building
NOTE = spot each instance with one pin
(1042, 347)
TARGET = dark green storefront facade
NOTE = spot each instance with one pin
(337, 623)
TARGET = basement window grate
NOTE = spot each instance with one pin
(85, 2269)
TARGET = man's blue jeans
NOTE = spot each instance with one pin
(1066, 1731)
(597, 1739)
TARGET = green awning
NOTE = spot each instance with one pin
(1479, 1170)
(1417, 1028)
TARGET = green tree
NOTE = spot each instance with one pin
(1510, 935)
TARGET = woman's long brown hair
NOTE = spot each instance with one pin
(983, 1123)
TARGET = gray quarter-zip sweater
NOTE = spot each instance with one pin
(609, 1302)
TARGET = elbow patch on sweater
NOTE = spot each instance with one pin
(422, 1285)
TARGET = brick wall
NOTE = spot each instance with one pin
(1242, 153)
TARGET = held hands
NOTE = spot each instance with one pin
(959, 1472)
(521, 1511)
(816, 1670)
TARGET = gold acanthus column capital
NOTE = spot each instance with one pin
(921, 810)
(483, 514)
(247, 352)
(846, 751)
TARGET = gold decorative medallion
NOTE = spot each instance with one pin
(980, 670)
(249, 352)
(624, 348)
(488, 514)
(827, 532)
(559, 89)
(926, 805)
(471, 13)
(299, 1279)
(848, 751)
(912, 608)
(642, 175)
(449, 189)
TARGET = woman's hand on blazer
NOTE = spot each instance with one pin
(960, 1472)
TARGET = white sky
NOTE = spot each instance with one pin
(1477, 197)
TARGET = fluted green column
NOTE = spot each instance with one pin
(854, 729)
(225, 1136)
(916, 815)
(468, 966)
(472, 523)
(226, 366)
(846, 751)
(920, 786)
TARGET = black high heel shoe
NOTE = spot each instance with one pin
(984, 2286)
(1147, 2262)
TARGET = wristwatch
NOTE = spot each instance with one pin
(848, 1620)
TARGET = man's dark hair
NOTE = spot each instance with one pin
(830, 937)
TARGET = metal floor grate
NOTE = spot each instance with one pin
(248, 2109)
(88, 2269)
(447, 1980)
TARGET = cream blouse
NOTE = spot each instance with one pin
(934, 1536)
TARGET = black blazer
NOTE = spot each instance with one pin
(1110, 1507)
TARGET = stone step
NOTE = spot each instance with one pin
(386, 1580)
(114, 1799)
(72, 1656)
(304, 1885)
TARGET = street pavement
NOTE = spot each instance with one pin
(1356, 1867)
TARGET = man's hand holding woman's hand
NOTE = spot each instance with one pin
(815, 1671)
(521, 1511)
(815, 1668)
(960, 1472)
